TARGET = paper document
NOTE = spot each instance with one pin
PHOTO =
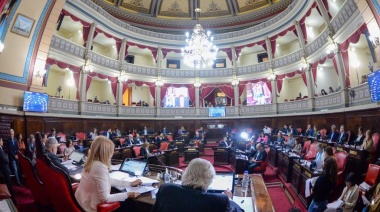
(119, 175)
(307, 188)
(365, 200)
(115, 167)
(71, 166)
(154, 193)
(364, 186)
(68, 162)
(244, 202)
(335, 205)
(140, 189)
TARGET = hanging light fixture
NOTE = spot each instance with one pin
(200, 51)
(123, 76)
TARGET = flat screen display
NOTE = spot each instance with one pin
(374, 85)
(133, 167)
(76, 156)
(258, 93)
(221, 182)
(216, 111)
(35, 102)
(176, 97)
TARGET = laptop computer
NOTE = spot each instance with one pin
(133, 167)
(77, 157)
(221, 182)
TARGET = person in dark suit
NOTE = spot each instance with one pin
(292, 130)
(260, 156)
(343, 135)
(309, 131)
(159, 139)
(165, 131)
(251, 148)
(138, 140)
(5, 171)
(280, 138)
(360, 138)
(13, 158)
(108, 134)
(191, 195)
(285, 130)
(51, 153)
(31, 144)
(224, 142)
(144, 151)
(198, 137)
(333, 136)
(128, 141)
(116, 133)
(53, 133)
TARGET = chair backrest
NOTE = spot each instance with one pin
(58, 187)
(136, 150)
(122, 140)
(169, 137)
(81, 136)
(375, 138)
(264, 164)
(312, 152)
(164, 146)
(341, 159)
(63, 137)
(37, 188)
(372, 174)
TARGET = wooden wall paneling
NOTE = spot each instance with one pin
(34, 124)
(66, 126)
(326, 121)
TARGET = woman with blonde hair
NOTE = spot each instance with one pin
(95, 184)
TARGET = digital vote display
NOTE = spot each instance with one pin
(35, 102)
(216, 111)
(374, 85)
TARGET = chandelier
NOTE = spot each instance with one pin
(200, 51)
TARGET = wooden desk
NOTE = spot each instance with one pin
(238, 163)
(285, 164)
(171, 157)
(221, 155)
(157, 159)
(273, 156)
(260, 196)
(180, 145)
(124, 152)
(356, 162)
(241, 145)
(300, 174)
(190, 154)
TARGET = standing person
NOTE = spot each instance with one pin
(20, 142)
(137, 139)
(31, 144)
(5, 171)
(13, 158)
(95, 184)
(69, 149)
(324, 185)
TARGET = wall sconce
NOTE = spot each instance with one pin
(374, 40)
(159, 82)
(86, 67)
(272, 76)
(197, 83)
(1, 47)
(235, 81)
(122, 78)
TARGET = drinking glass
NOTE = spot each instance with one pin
(173, 176)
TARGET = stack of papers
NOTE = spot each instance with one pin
(364, 186)
(335, 205)
(244, 202)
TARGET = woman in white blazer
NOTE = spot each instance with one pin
(95, 184)
(349, 195)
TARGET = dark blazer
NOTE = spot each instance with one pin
(143, 152)
(293, 131)
(173, 198)
(333, 137)
(342, 137)
(4, 164)
(110, 135)
(360, 141)
(138, 141)
(128, 142)
(280, 140)
(284, 130)
(261, 155)
(12, 148)
(223, 144)
(310, 133)
(57, 161)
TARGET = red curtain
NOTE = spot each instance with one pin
(86, 33)
(314, 68)
(269, 85)
(326, 4)
(335, 66)
(228, 90)
(205, 90)
(118, 47)
(304, 78)
(88, 82)
(279, 85)
(346, 67)
(191, 90)
(114, 88)
(125, 87)
(228, 52)
(76, 81)
(303, 22)
(126, 50)
(166, 51)
(152, 49)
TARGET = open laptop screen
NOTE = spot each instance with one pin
(221, 182)
(76, 156)
(133, 167)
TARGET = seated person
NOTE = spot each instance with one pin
(181, 130)
(262, 138)
(128, 141)
(316, 132)
(165, 131)
(298, 146)
(51, 147)
(360, 138)
(192, 195)
(144, 131)
(224, 143)
(284, 130)
(333, 136)
(374, 202)
(95, 184)
(108, 134)
(31, 144)
(368, 144)
(93, 134)
(79, 146)
(144, 151)
(160, 139)
(201, 131)
(68, 150)
(309, 131)
(290, 142)
(138, 140)
(280, 138)
(319, 152)
(349, 195)
(267, 130)
(117, 133)
(198, 138)
(251, 148)
(292, 130)
(343, 136)
(96, 100)
(259, 157)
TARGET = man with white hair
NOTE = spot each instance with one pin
(12, 153)
(192, 195)
(51, 147)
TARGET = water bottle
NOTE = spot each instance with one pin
(244, 185)
(167, 176)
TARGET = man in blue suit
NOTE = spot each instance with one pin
(333, 136)
(108, 134)
(13, 158)
(343, 135)
(260, 156)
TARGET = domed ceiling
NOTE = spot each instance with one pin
(177, 16)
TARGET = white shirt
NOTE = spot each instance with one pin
(95, 188)
(267, 130)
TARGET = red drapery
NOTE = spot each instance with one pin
(125, 87)
(88, 82)
(283, 33)
(279, 85)
(227, 89)
(281, 77)
(63, 65)
(239, 48)
(354, 38)
(118, 41)
(166, 51)
(152, 49)
(326, 4)
(303, 21)
(228, 51)
(205, 90)
(314, 67)
(86, 25)
(190, 87)
(335, 66)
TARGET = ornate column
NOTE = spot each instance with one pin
(301, 39)
(82, 90)
(269, 49)
(197, 84)
(325, 16)
(274, 94)
(89, 40)
(119, 95)
(342, 76)
(310, 86)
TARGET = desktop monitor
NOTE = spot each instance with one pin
(76, 156)
(35, 102)
(133, 167)
(216, 111)
(221, 182)
(374, 85)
